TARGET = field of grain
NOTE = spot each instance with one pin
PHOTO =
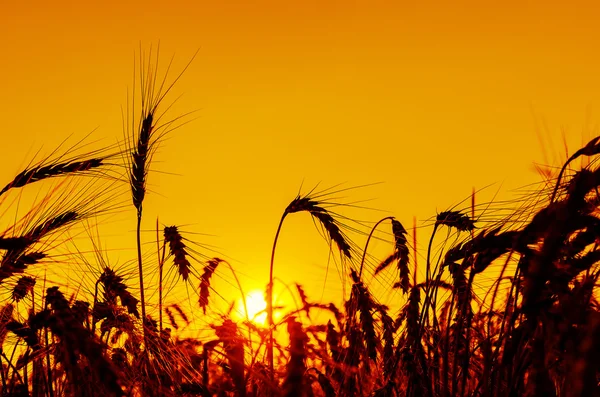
(508, 305)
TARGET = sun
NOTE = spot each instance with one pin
(256, 305)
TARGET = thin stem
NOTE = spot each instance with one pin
(2, 375)
(270, 301)
(415, 250)
(94, 305)
(140, 272)
(160, 279)
(362, 262)
(427, 278)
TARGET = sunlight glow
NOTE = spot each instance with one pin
(256, 304)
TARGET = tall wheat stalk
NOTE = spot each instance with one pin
(315, 208)
(144, 142)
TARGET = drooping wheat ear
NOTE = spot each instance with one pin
(591, 149)
(362, 301)
(456, 220)
(315, 208)
(16, 263)
(400, 254)
(178, 250)
(306, 204)
(401, 246)
(41, 172)
(209, 269)
(293, 384)
(490, 246)
(388, 337)
(23, 287)
(412, 354)
(114, 288)
(452, 219)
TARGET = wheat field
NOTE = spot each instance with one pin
(507, 305)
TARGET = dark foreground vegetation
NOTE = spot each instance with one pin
(506, 307)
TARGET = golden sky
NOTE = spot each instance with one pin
(430, 98)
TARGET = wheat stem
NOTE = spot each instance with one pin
(140, 272)
(270, 300)
(362, 261)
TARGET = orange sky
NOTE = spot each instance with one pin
(431, 99)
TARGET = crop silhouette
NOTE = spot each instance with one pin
(507, 307)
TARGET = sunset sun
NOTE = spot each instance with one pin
(256, 305)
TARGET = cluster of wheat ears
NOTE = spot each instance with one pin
(507, 306)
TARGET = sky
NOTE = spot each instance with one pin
(426, 100)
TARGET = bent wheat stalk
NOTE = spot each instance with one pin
(315, 208)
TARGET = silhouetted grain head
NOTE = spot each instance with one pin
(140, 159)
(580, 184)
(171, 318)
(305, 304)
(456, 220)
(333, 340)
(81, 311)
(400, 254)
(362, 301)
(52, 224)
(17, 262)
(334, 232)
(144, 137)
(300, 204)
(23, 287)
(115, 287)
(29, 331)
(14, 243)
(491, 246)
(40, 172)
(181, 313)
(209, 269)
(178, 250)
(388, 330)
(460, 285)
(387, 262)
